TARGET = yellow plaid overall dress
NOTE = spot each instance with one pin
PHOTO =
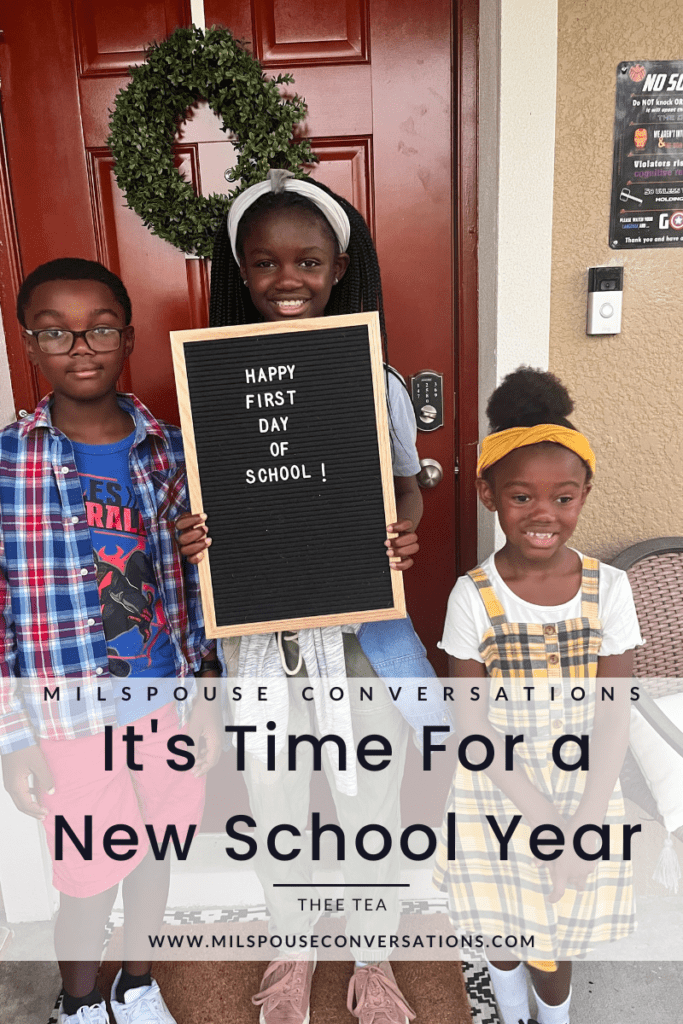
(490, 896)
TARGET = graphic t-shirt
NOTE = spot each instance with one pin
(135, 627)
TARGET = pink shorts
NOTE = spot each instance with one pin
(157, 796)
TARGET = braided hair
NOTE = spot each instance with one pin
(359, 290)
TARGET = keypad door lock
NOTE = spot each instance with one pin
(426, 389)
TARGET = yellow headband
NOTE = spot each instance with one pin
(496, 446)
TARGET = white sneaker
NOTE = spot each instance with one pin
(140, 1005)
(86, 1015)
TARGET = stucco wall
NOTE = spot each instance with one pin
(629, 387)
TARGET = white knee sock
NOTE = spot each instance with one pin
(510, 990)
(553, 1014)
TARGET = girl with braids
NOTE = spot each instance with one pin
(291, 249)
(356, 286)
(534, 627)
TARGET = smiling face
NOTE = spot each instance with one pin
(80, 375)
(289, 262)
(538, 492)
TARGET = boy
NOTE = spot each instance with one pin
(94, 595)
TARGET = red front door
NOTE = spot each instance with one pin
(376, 75)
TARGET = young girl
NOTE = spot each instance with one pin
(532, 628)
(291, 250)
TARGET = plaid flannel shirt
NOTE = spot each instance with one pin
(51, 622)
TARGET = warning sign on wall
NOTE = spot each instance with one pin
(647, 177)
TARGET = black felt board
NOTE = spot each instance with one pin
(290, 548)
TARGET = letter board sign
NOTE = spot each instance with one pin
(286, 436)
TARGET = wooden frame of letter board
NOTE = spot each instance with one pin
(178, 340)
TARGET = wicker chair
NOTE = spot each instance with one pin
(655, 570)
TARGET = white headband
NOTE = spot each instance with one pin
(284, 181)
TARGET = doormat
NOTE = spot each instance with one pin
(433, 989)
(479, 993)
(219, 991)
(210, 993)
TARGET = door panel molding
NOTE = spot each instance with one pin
(277, 42)
(126, 246)
(99, 24)
(355, 156)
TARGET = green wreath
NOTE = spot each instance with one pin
(188, 66)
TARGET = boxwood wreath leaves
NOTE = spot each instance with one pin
(188, 66)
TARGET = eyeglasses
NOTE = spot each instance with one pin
(56, 342)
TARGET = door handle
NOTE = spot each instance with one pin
(430, 474)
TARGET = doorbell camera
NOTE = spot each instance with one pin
(605, 291)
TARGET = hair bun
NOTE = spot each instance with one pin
(527, 397)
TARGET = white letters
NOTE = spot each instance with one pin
(272, 425)
(267, 374)
(270, 399)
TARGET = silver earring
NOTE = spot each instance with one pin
(244, 282)
(336, 280)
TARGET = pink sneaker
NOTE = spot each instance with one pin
(378, 999)
(285, 993)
